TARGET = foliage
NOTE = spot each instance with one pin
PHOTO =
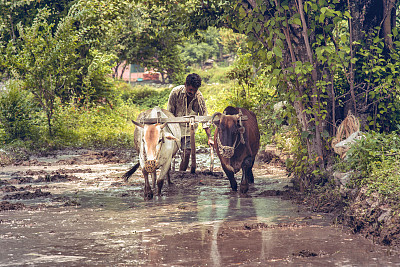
(385, 179)
(96, 24)
(252, 90)
(371, 150)
(97, 81)
(203, 46)
(380, 73)
(211, 44)
(24, 12)
(375, 162)
(68, 59)
(231, 41)
(155, 35)
(44, 62)
(211, 76)
(94, 126)
(146, 97)
(305, 46)
(16, 112)
(150, 37)
(14, 12)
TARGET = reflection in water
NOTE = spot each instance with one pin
(212, 211)
(215, 211)
(215, 255)
(265, 246)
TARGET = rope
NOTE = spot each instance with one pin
(241, 128)
(226, 151)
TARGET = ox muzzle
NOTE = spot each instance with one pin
(150, 165)
(228, 151)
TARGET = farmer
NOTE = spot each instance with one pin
(187, 100)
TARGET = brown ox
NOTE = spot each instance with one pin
(237, 142)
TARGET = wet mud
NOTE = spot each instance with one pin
(73, 209)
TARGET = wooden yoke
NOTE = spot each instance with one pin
(185, 119)
(191, 120)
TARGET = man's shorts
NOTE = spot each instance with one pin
(185, 142)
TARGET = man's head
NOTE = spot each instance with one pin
(193, 82)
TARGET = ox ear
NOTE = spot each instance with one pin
(170, 136)
(137, 124)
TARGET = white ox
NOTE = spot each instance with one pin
(157, 144)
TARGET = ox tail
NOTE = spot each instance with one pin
(130, 172)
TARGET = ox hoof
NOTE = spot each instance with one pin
(148, 195)
(244, 188)
(160, 184)
(234, 186)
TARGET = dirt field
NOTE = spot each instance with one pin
(72, 208)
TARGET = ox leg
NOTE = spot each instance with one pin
(247, 174)
(231, 177)
(163, 172)
(160, 184)
(169, 178)
(154, 177)
(244, 185)
(148, 194)
(250, 176)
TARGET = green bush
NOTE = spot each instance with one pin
(96, 125)
(371, 149)
(145, 97)
(16, 113)
(385, 178)
(212, 76)
(375, 160)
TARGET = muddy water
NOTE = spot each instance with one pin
(93, 218)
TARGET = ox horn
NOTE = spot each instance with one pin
(214, 115)
(163, 125)
(137, 124)
(239, 115)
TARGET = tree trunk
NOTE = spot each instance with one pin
(388, 13)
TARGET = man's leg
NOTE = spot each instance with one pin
(185, 155)
(185, 160)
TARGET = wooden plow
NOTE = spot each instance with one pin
(191, 121)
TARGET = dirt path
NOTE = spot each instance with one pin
(73, 209)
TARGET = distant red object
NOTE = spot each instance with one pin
(151, 76)
(135, 73)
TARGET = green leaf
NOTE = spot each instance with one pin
(242, 12)
(277, 51)
(297, 21)
(305, 134)
(395, 32)
(321, 18)
(279, 42)
(325, 134)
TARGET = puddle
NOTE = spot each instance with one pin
(97, 219)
